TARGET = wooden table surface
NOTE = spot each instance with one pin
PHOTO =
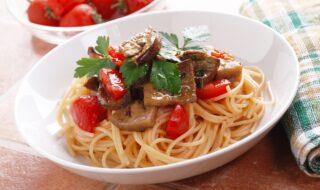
(269, 165)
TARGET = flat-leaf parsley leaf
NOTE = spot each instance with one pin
(170, 46)
(92, 66)
(166, 76)
(170, 43)
(88, 66)
(195, 34)
(102, 45)
(132, 72)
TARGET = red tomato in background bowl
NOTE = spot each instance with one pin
(135, 5)
(80, 15)
(61, 7)
(73, 13)
(105, 7)
(39, 13)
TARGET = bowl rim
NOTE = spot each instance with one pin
(70, 29)
(82, 167)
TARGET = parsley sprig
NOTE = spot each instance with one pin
(91, 66)
(132, 72)
(166, 76)
(191, 35)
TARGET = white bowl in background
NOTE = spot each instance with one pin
(52, 34)
(250, 41)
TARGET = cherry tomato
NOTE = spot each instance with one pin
(135, 5)
(222, 55)
(213, 89)
(116, 56)
(178, 122)
(61, 7)
(87, 112)
(105, 7)
(80, 15)
(39, 13)
(113, 83)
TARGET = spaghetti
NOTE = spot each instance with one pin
(213, 124)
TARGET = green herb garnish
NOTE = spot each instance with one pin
(195, 34)
(170, 46)
(102, 45)
(191, 35)
(166, 76)
(90, 66)
(132, 72)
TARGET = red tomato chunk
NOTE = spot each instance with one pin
(113, 83)
(178, 123)
(87, 112)
(213, 89)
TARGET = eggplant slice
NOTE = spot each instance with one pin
(137, 90)
(143, 47)
(92, 84)
(106, 100)
(134, 117)
(229, 70)
(153, 97)
(205, 66)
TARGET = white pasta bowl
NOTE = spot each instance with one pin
(251, 42)
(56, 35)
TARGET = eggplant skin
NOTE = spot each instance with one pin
(93, 54)
(136, 90)
(134, 117)
(92, 84)
(153, 97)
(151, 53)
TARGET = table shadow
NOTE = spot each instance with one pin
(41, 47)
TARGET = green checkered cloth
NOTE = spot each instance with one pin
(299, 22)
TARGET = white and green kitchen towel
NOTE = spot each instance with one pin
(299, 22)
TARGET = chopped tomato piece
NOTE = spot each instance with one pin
(116, 56)
(178, 122)
(113, 83)
(87, 112)
(213, 89)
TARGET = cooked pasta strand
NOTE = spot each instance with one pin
(213, 124)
